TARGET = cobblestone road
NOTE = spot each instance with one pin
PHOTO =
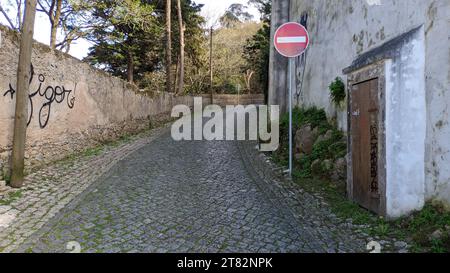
(197, 196)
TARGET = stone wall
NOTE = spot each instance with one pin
(72, 105)
(246, 99)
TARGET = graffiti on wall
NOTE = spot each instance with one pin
(50, 95)
(374, 158)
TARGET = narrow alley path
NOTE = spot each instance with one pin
(197, 196)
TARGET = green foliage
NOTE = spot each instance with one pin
(337, 91)
(381, 229)
(93, 151)
(332, 148)
(257, 49)
(153, 81)
(128, 38)
(313, 116)
(228, 61)
(416, 229)
(257, 54)
(421, 225)
(328, 149)
(7, 178)
(196, 47)
(195, 38)
(231, 86)
(124, 32)
(235, 15)
(335, 196)
(11, 197)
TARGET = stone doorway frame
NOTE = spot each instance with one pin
(356, 76)
(391, 63)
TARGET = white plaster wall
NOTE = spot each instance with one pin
(438, 101)
(341, 30)
(406, 129)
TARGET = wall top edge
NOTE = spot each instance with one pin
(388, 50)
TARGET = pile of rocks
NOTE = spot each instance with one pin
(439, 234)
(306, 138)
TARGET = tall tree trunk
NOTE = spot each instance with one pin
(211, 64)
(130, 69)
(55, 15)
(181, 60)
(168, 47)
(23, 85)
(177, 65)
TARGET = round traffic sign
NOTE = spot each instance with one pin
(291, 39)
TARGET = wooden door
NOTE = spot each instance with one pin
(365, 149)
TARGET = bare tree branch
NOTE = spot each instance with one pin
(7, 17)
(19, 13)
(42, 8)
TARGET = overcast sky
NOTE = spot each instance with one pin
(212, 10)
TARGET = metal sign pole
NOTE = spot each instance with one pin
(290, 116)
(291, 40)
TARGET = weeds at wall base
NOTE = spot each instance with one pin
(10, 198)
(425, 231)
(415, 229)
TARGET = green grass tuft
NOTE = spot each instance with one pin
(10, 198)
(416, 229)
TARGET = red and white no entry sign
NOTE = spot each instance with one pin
(291, 39)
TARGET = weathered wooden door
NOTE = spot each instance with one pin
(365, 128)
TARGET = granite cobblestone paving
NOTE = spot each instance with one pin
(49, 190)
(158, 195)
